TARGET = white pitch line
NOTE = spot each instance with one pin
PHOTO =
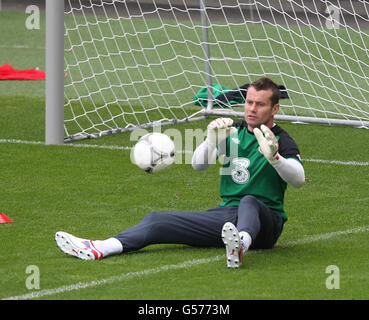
(346, 163)
(93, 146)
(124, 276)
(186, 264)
(113, 147)
(325, 236)
(21, 47)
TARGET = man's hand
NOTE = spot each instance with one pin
(218, 130)
(268, 143)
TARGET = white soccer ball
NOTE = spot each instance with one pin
(154, 152)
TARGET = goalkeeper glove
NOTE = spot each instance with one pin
(268, 144)
(218, 130)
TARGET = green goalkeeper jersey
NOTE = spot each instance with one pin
(246, 171)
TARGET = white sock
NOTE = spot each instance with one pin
(109, 246)
(245, 240)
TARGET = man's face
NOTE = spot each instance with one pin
(259, 109)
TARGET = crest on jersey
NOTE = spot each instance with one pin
(236, 140)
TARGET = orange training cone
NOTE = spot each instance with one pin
(4, 218)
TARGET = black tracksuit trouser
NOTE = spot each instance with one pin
(203, 228)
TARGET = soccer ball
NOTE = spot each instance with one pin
(154, 152)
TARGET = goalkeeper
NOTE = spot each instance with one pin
(260, 160)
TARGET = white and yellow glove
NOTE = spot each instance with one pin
(268, 144)
(218, 130)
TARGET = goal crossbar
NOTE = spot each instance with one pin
(295, 119)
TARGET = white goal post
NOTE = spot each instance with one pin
(116, 65)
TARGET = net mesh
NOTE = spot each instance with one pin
(133, 63)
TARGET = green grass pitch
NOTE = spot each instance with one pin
(97, 192)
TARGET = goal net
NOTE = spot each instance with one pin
(132, 64)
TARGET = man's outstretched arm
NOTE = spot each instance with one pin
(290, 170)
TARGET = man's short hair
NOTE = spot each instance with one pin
(267, 84)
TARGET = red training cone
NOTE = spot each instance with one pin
(4, 218)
